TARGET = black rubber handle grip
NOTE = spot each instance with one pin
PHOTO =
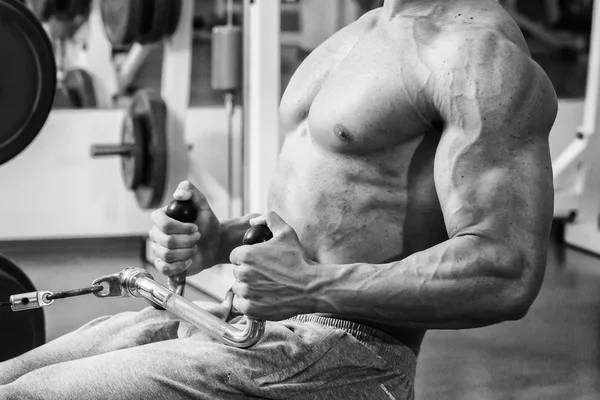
(257, 234)
(182, 211)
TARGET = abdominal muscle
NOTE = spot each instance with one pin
(346, 208)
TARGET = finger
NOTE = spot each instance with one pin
(171, 256)
(241, 305)
(274, 222)
(173, 241)
(228, 302)
(241, 255)
(171, 226)
(243, 273)
(187, 191)
(169, 269)
(240, 289)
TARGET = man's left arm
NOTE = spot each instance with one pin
(493, 176)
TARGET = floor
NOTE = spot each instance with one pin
(553, 353)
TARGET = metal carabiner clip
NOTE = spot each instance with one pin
(30, 300)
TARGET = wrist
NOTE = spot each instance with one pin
(319, 289)
(231, 233)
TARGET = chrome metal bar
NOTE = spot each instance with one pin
(137, 282)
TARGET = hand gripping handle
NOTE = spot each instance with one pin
(182, 211)
(137, 282)
(185, 211)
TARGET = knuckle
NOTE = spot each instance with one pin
(164, 254)
(160, 265)
(238, 256)
(245, 255)
(157, 250)
(152, 235)
(169, 226)
(287, 231)
(168, 269)
(241, 273)
(171, 242)
(241, 289)
(159, 219)
(169, 256)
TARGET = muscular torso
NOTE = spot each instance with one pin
(355, 174)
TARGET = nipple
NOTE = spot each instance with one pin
(342, 133)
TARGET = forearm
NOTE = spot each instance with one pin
(232, 232)
(461, 283)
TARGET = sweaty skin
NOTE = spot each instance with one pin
(420, 133)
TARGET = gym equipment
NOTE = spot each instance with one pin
(146, 166)
(226, 76)
(226, 72)
(27, 86)
(577, 168)
(65, 10)
(62, 29)
(260, 139)
(183, 211)
(143, 148)
(22, 331)
(42, 9)
(155, 26)
(78, 87)
(137, 282)
(139, 21)
(43, 298)
(577, 16)
(122, 19)
(28, 78)
(75, 91)
(262, 80)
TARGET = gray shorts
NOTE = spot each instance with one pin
(152, 355)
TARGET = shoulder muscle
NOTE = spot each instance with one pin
(486, 80)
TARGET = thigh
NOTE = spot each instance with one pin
(174, 369)
(292, 361)
(319, 362)
(102, 335)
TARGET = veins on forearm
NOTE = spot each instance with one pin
(453, 285)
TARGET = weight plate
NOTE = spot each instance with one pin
(62, 29)
(159, 18)
(84, 8)
(150, 110)
(26, 330)
(79, 87)
(123, 19)
(42, 9)
(174, 16)
(27, 78)
(71, 9)
(132, 165)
